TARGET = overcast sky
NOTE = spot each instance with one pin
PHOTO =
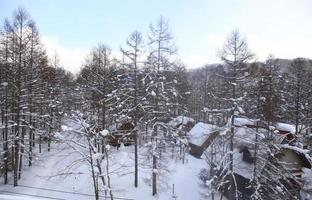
(199, 27)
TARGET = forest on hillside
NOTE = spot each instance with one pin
(138, 95)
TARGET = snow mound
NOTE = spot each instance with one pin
(104, 133)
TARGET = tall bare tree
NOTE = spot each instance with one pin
(134, 53)
(235, 54)
(161, 48)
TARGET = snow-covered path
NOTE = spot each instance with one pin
(185, 179)
(51, 176)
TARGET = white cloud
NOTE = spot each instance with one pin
(206, 52)
(214, 40)
(71, 58)
(284, 46)
(281, 47)
(194, 61)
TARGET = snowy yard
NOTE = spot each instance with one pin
(149, 120)
(55, 175)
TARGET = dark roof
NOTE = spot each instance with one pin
(305, 161)
(302, 154)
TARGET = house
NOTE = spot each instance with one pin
(200, 137)
(244, 189)
(291, 161)
(286, 133)
(294, 159)
(241, 122)
(287, 157)
(121, 132)
(282, 131)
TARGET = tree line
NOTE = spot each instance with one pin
(147, 86)
(31, 96)
(276, 90)
(267, 92)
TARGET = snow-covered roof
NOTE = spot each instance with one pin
(246, 169)
(199, 133)
(246, 137)
(239, 121)
(181, 120)
(286, 127)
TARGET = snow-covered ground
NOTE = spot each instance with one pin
(55, 175)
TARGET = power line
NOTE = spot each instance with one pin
(53, 190)
(31, 195)
(68, 192)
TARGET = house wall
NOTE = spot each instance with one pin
(195, 150)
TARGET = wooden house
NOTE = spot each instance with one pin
(121, 133)
(294, 160)
(200, 137)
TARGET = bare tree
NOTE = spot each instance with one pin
(160, 41)
(135, 44)
(235, 54)
(24, 81)
(83, 143)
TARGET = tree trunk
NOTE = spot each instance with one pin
(95, 184)
(40, 139)
(22, 148)
(5, 139)
(108, 177)
(154, 176)
(136, 159)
